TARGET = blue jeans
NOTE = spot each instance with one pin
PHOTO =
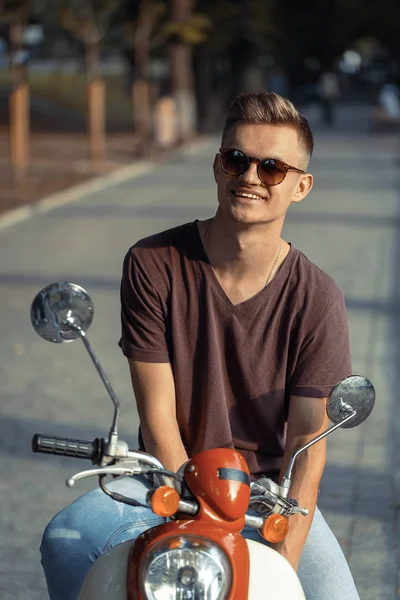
(94, 523)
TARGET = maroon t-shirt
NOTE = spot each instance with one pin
(235, 366)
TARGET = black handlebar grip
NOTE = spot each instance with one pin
(67, 447)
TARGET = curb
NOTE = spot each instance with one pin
(77, 192)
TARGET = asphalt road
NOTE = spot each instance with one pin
(349, 226)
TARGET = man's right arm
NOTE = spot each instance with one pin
(154, 388)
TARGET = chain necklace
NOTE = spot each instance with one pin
(274, 266)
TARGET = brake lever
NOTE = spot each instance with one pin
(300, 511)
(290, 506)
(270, 495)
(113, 470)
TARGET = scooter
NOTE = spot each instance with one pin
(199, 552)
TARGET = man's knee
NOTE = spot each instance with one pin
(66, 558)
(94, 522)
(61, 536)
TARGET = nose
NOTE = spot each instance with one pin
(250, 176)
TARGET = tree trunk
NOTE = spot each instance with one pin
(209, 112)
(18, 69)
(182, 80)
(140, 88)
(92, 55)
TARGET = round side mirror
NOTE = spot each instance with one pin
(59, 310)
(355, 393)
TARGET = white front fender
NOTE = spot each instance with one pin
(271, 576)
(107, 578)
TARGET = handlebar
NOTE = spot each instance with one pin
(68, 447)
(265, 493)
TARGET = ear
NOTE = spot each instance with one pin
(216, 167)
(304, 186)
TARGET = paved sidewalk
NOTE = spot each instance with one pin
(349, 225)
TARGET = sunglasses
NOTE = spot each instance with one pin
(271, 171)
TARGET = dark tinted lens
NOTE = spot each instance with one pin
(234, 162)
(272, 171)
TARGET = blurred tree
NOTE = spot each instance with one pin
(172, 25)
(228, 35)
(181, 57)
(88, 21)
(233, 58)
(15, 14)
(141, 22)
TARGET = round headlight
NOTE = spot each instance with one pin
(186, 567)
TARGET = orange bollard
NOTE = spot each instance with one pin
(96, 106)
(19, 131)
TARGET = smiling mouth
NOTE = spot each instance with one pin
(247, 195)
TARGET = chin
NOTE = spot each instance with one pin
(245, 216)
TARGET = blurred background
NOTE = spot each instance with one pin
(89, 85)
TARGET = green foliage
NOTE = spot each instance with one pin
(286, 28)
(250, 19)
(83, 18)
(214, 23)
(149, 19)
(192, 31)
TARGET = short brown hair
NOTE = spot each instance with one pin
(269, 108)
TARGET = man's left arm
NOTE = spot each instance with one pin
(307, 419)
(323, 361)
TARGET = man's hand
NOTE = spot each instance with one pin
(154, 388)
(307, 419)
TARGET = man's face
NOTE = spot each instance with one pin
(271, 202)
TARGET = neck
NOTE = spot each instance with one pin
(242, 249)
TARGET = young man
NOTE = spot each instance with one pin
(234, 338)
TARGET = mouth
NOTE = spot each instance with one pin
(247, 195)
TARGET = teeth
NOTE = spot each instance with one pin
(253, 196)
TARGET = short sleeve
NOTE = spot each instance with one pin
(324, 359)
(143, 315)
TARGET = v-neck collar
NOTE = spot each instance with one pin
(283, 269)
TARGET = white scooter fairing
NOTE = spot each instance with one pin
(271, 576)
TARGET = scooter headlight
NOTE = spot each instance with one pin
(186, 568)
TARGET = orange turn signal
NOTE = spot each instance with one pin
(165, 501)
(275, 528)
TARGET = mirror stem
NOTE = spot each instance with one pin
(286, 481)
(114, 428)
